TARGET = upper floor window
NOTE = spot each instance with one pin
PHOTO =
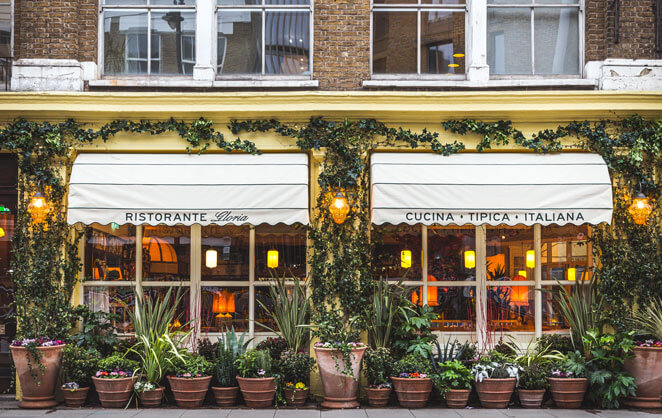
(424, 37)
(534, 37)
(6, 29)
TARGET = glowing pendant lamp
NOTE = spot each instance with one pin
(211, 259)
(339, 208)
(640, 209)
(405, 259)
(470, 259)
(530, 259)
(38, 208)
(272, 259)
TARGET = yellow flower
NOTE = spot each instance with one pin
(300, 385)
(288, 384)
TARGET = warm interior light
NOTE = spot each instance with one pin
(530, 259)
(211, 259)
(272, 259)
(339, 208)
(572, 274)
(453, 65)
(223, 304)
(38, 208)
(458, 55)
(522, 273)
(519, 294)
(2, 232)
(469, 259)
(640, 209)
(405, 259)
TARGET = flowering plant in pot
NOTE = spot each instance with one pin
(114, 380)
(224, 386)
(37, 362)
(453, 380)
(532, 385)
(256, 380)
(190, 381)
(496, 376)
(295, 371)
(567, 380)
(78, 366)
(646, 365)
(378, 369)
(412, 381)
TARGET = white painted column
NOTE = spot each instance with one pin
(481, 290)
(205, 32)
(251, 283)
(424, 261)
(537, 272)
(195, 279)
(477, 69)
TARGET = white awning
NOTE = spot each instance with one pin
(490, 188)
(187, 189)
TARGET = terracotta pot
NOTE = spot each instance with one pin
(114, 393)
(41, 394)
(295, 397)
(568, 393)
(258, 392)
(225, 396)
(457, 398)
(531, 398)
(377, 397)
(340, 391)
(151, 398)
(75, 398)
(412, 393)
(189, 392)
(646, 367)
(495, 393)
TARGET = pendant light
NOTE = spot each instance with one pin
(339, 207)
(38, 208)
(272, 259)
(405, 259)
(469, 259)
(211, 259)
(640, 209)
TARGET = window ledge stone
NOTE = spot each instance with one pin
(487, 84)
(190, 83)
(260, 83)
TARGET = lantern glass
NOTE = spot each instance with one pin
(38, 208)
(522, 273)
(339, 208)
(211, 259)
(572, 274)
(405, 259)
(2, 232)
(640, 209)
(530, 259)
(272, 259)
(470, 259)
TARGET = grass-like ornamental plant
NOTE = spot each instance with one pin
(581, 310)
(648, 320)
(229, 347)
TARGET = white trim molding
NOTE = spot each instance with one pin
(51, 74)
(626, 74)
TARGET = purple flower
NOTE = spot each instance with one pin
(403, 375)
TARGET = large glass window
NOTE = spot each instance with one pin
(6, 37)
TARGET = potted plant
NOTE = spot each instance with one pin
(114, 380)
(78, 366)
(257, 384)
(568, 382)
(646, 365)
(190, 382)
(378, 368)
(295, 372)
(454, 383)
(225, 387)
(496, 377)
(533, 384)
(37, 362)
(412, 381)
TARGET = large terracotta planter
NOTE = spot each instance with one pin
(258, 392)
(189, 392)
(295, 397)
(378, 397)
(531, 398)
(412, 393)
(495, 393)
(568, 393)
(75, 398)
(151, 398)
(340, 391)
(225, 396)
(457, 398)
(646, 367)
(33, 394)
(114, 393)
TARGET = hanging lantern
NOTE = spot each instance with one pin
(530, 259)
(432, 292)
(405, 259)
(222, 304)
(469, 259)
(272, 259)
(522, 273)
(339, 208)
(640, 209)
(38, 208)
(520, 294)
(2, 232)
(211, 259)
(572, 274)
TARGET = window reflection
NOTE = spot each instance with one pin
(166, 253)
(565, 254)
(117, 300)
(510, 308)
(225, 251)
(224, 308)
(280, 251)
(110, 252)
(389, 243)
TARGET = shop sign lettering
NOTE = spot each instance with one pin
(492, 217)
(186, 217)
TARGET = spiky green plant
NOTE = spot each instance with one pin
(648, 320)
(383, 312)
(581, 310)
(229, 348)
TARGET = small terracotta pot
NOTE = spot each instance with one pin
(75, 398)
(531, 398)
(495, 393)
(33, 394)
(412, 393)
(568, 393)
(340, 391)
(225, 396)
(114, 393)
(646, 368)
(151, 398)
(378, 397)
(258, 392)
(295, 397)
(457, 398)
(189, 392)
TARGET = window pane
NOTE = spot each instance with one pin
(509, 41)
(455, 307)
(390, 241)
(110, 252)
(287, 43)
(113, 300)
(239, 42)
(168, 30)
(509, 253)
(394, 43)
(509, 1)
(238, 2)
(125, 42)
(510, 308)
(124, 2)
(224, 308)
(451, 254)
(442, 42)
(284, 247)
(5, 30)
(173, 2)
(552, 316)
(166, 253)
(263, 294)
(444, 2)
(557, 41)
(285, 2)
(565, 253)
(226, 247)
(182, 311)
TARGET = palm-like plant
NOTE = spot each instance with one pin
(648, 321)
(532, 354)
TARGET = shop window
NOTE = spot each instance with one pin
(534, 38)
(112, 300)
(225, 253)
(397, 253)
(280, 251)
(182, 318)
(166, 253)
(110, 252)
(224, 308)
(8, 207)
(6, 38)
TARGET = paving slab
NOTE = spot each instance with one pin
(252, 413)
(434, 413)
(344, 413)
(71, 413)
(206, 413)
(527, 413)
(578, 413)
(160, 413)
(389, 413)
(116, 413)
(25, 412)
(297, 413)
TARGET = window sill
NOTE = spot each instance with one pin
(489, 84)
(190, 83)
(275, 83)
